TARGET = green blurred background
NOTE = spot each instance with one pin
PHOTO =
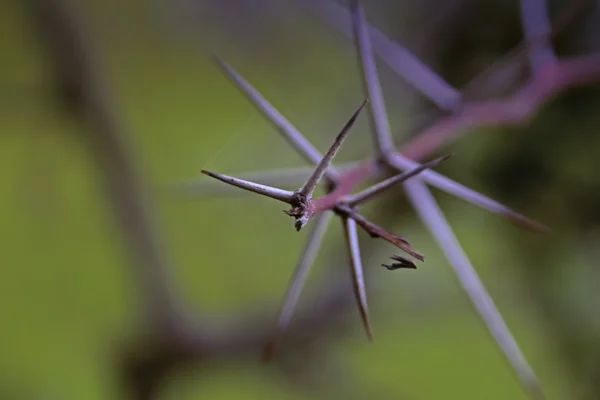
(69, 297)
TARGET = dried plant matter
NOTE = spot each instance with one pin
(402, 263)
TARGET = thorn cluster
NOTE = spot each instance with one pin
(339, 182)
(303, 207)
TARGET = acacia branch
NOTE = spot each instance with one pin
(552, 80)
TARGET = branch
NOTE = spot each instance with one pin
(89, 102)
(537, 30)
(552, 80)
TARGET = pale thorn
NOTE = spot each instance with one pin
(298, 281)
(285, 127)
(278, 194)
(309, 187)
(434, 220)
(380, 128)
(358, 281)
(369, 193)
(397, 160)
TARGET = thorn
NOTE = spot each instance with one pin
(380, 187)
(358, 282)
(527, 223)
(309, 187)
(278, 194)
(380, 128)
(284, 127)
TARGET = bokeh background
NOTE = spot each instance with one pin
(70, 299)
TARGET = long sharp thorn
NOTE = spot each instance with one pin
(309, 187)
(399, 59)
(287, 130)
(357, 273)
(381, 133)
(313, 243)
(374, 190)
(454, 188)
(283, 178)
(278, 194)
(195, 187)
(433, 218)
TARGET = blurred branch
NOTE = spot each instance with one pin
(551, 80)
(537, 30)
(85, 94)
(173, 340)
